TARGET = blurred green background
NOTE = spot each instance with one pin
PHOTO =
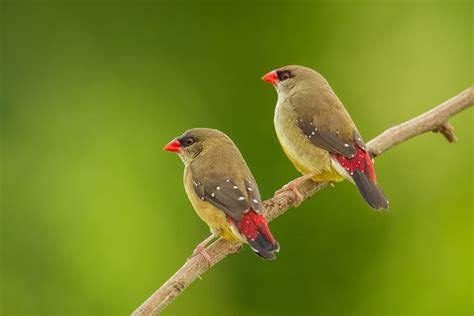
(94, 214)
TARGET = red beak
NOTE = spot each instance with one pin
(173, 146)
(271, 77)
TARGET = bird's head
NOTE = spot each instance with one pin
(196, 142)
(288, 77)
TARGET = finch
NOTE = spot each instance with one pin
(318, 135)
(222, 190)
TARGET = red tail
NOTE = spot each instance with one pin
(361, 161)
(255, 229)
(361, 169)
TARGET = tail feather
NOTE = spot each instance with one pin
(361, 170)
(370, 190)
(255, 229)
(264, 248)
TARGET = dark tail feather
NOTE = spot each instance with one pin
(370, 190)
(254, 228)
(264, 248)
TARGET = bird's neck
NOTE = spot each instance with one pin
(285, 114)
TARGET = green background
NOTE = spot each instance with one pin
(94, 215)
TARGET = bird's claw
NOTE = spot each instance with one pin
(291, 187)
(201, 250)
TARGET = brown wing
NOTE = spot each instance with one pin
(328, 140)
(325, 122)
(233, 196)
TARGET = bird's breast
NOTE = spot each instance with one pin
(211, 215)
(306, 157)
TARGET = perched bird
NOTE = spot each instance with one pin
(222, 190)
(318, 135)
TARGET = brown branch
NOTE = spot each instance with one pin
(429, 121)
(434, 120)
(448, 131)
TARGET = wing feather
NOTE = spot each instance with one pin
(233, 196)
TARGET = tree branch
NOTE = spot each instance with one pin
(435, 120)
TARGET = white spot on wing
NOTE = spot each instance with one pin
(241, 198)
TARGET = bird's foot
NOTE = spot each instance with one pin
(293, 187)
(201, 249)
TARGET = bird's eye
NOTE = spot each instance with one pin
(189, 141)
(284, 75)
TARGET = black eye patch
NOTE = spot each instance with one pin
(186, 141)
(284, 75)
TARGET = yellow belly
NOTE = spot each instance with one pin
(211, 215)
(306, 157)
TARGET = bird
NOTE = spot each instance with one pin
(318, 135)
(223, 191)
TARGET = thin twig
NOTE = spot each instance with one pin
(429, 121)
(434, 120)
(448, 131)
